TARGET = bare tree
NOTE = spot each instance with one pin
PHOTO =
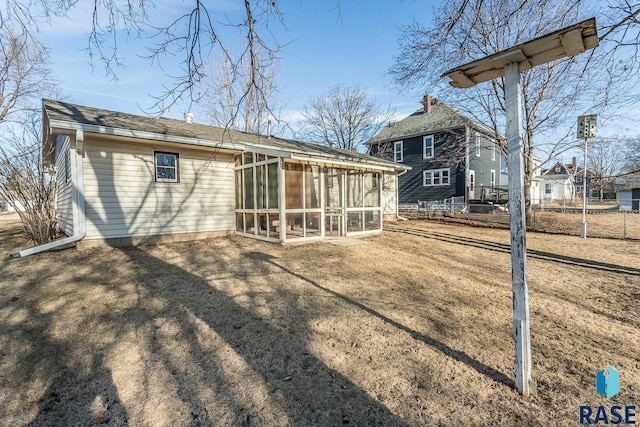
(25, 182)
(604, 163)
(24, 75)
(345, 116)
(193, 35)
(553, 94)
(225, 86)
(632, 155)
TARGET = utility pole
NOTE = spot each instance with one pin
(586, 130)
(509, 63)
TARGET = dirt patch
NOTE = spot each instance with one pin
(414, 328)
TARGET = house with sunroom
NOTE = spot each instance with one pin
(450, 154)
(126, 179)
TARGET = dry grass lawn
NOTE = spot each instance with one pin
(412, 328)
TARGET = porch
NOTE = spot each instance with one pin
(288, 200)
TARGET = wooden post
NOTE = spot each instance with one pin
(518, 230)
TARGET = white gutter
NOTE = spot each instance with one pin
(79, 219)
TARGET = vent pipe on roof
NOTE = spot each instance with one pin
(188, 117)
(269, 129)
(332, 144)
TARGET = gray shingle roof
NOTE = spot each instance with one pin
(77, 114)
(441, 117)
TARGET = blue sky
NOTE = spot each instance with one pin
(324, 47)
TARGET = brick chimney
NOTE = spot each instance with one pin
(574, 165)
(426, 104)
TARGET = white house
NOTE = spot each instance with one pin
(557, 183)
(125, 179)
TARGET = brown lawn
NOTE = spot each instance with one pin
(412, 328)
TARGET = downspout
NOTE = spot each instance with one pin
(401, 218)
(79, 220)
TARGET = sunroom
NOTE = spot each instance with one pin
(284, 197)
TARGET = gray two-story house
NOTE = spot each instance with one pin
(450, 154)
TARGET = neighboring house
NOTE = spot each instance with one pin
(450, 154)
(125, 179)
(564, 182)
(629, 197)
(557, 183)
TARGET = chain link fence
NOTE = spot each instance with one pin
(605, 223)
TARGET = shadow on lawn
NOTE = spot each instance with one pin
(440, 346)
(77, 387)
(300, 386)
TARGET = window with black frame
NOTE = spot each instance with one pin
(166, 167)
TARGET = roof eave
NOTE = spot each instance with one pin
(65, 128)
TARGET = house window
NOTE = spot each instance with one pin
(374, 180)
(435, 177)
(547, 188)
(493, 178)
(557, 169)
(493, 151)
(477, 145)
(428, 150)
(166, 166)
(397, 151)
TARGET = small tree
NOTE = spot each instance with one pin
(345, 116)
(26, 184)
(604, 162)
(632, 155)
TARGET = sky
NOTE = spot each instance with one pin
(324, 46)
(354, 44)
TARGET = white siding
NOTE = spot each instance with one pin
(123, 200)
(64, 202)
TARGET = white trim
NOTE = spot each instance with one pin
(432, 147)
(478, 145)
(436, 175)
(397, 144)
(494, 147)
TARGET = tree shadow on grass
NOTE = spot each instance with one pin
(440, 346)
(300, 386)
